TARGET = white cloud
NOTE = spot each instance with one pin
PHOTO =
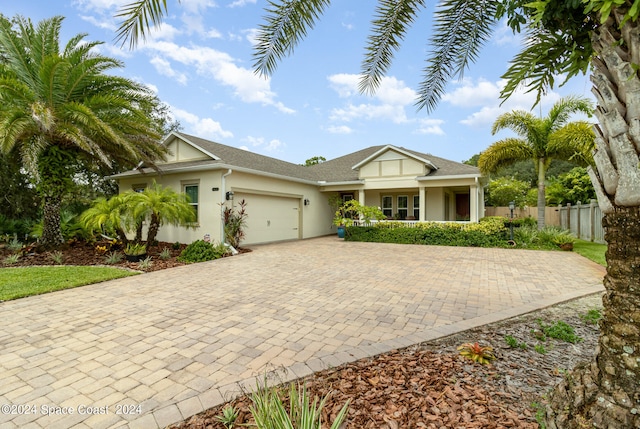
(346, 85)
(351, 112)
(241, 3)
(213, 34)
(260, 142)
(486, 95)
(246, 85)
(388, 102)
(430, 126)
(341, 129)
(100, 23)
(204, 127)
(503, 36)
(195, 6)
(251, 35)
(163, 67)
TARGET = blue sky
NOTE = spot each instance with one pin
(200, 63)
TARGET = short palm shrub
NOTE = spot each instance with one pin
(269, 412)
(56, 257)
(165, 254)
(113, 258)
(11, 259)
(200, 251)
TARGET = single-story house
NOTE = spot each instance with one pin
(286, 201)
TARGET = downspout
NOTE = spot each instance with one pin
(223, 196)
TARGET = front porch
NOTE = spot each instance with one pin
(422, 204)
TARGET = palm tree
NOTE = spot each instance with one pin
(541, 140)
(160, 205)
(60, 110)
(111, 214)
(562, 38)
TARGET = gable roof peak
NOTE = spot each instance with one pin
(402, 150)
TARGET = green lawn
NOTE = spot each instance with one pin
(26, 281)
(590, 250)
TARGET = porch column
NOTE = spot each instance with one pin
(473, 203)
(361, 197)
(423, 204)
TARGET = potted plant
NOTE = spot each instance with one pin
(135, 252)
(564, 240)
(352, 209)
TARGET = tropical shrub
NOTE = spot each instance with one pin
(70, 227)
(200, 251)
(477, 353)
(235, 221)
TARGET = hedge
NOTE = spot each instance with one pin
(491, 232)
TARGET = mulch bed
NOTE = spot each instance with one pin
(83, 253)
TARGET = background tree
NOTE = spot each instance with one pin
(314, 161)
(541, 140)
(563, 38)
(572, 187)
(19, 198)
(503, 190)
(59, 109)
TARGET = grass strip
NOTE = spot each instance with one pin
(20, 282)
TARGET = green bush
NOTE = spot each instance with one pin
(489, 233)
(200, 251)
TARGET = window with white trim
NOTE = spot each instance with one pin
(416, 206)
(387, 206)
(191, 190)
(403, 206)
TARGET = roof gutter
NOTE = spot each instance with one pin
(457, 176)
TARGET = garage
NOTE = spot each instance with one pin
(270, 218)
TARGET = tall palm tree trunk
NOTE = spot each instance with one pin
(51, 231)
(606, 392)
(541, 192)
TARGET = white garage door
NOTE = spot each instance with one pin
(270, 218)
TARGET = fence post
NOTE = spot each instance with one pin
(578, 219)
(592, 216)
(560, 214)
(569, 216)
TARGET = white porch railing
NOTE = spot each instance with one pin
(407, 223)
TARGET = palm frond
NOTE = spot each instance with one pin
(519, 121)
(462, 27)
(389, 26)
(574, 142)
(287, 23)
(139, 17)
(504, 153)
(544, 57)
(562, 110)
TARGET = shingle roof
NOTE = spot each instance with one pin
(334, 170)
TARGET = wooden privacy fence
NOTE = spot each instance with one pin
(583, 220)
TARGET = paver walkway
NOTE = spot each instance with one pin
(149, 350)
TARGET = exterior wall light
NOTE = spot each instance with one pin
(307, 202)
(229, 196)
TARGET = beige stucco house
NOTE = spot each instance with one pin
(286, 201)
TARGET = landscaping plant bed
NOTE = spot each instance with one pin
(431, 386)
(83, 253)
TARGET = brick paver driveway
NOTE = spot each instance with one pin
(150, 350)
